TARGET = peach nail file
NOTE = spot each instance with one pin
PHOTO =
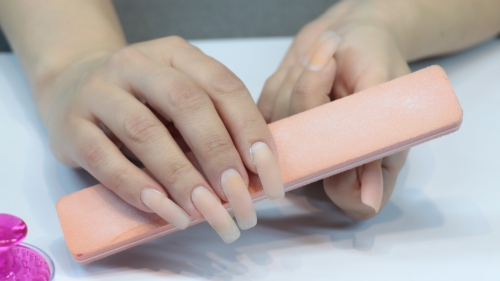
(312, 145)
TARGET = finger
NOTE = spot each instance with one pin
(362, 192)
(372, 185)
(269, 93)
(312, 89)
(357, 192)
(149, 140)
(100, 157)
(300, 45)
(192, 111)
(305, 82)
(314, 85)
(238, 112)
(139, 129)
(210, 206)
(305, 40)
(296, 53)
(282, 103)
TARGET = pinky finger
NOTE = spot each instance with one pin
(97, 154)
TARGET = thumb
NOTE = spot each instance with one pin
(357, 192)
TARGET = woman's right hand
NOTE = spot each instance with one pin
(129, 97)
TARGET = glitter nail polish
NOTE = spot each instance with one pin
(21, 261)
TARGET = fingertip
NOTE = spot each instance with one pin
(372, 186)
(209, 205)
(344, 190)
(322, 51)
(165, 208)
(268, 170)
(313, 88)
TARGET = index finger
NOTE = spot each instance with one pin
(305, 41)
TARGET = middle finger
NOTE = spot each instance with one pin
(177, 96)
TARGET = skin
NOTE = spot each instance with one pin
(161, 98)
(377, 40)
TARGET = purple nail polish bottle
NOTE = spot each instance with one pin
(21, 261)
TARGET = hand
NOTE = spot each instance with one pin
(129, 97)
(346, 50)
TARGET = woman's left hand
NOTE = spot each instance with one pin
(346, 50)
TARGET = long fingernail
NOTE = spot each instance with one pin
(213, 211)
(165, 208)
(321, 53)
(371, 201)
(237, 193)
(267, 168)
(372, 185)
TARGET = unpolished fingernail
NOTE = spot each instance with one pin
(216, 215)
(324, 49)
(267, 168)
(165, 208)
(237, 193)
(372, 185)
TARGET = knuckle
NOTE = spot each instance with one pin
(92, 84)
(304, 89)
(62, 155)
(248, 123)
(224, 82)
(141, 129)
(93, 155)
(176, 170)
(93, 81)
(125, 56)
(176, 40)
(310, 27)
(310, 92)
(184, 96)
(215, 145)
(118, 179)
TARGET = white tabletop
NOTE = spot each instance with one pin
(442, 223)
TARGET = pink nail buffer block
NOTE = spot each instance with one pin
(312, 145)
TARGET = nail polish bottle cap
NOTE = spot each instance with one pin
(20, 261)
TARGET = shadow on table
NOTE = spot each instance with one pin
(198, 251)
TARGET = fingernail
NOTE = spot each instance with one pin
(267, 168)
(165, 208)
(372, 185)
(322, 51)
(213, 211)
(237, 193)
(371, 202)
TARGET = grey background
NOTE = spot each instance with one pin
(200, 19)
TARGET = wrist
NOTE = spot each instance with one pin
(398, 18)
(49, 73)
(403, 20)
(48, 67)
